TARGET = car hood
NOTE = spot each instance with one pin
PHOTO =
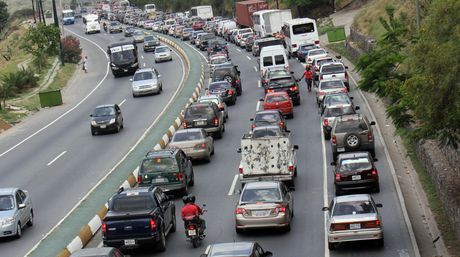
(145, 82)
(6, 214)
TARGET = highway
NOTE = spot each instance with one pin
(53, 155)
(216, 184)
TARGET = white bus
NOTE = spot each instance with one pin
(149, 8)
(299, 31)
(203, 11)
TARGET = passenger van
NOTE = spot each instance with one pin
(227, 26)
(299, 31)
(272, 56)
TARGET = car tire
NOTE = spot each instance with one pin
(30, 223)
(352, 141)
(212, 152)
(372, 152)
(331, 246)
(334, 156)
(376, 189)
(291, 115)
(18, 230)
(287, 228)
(223, 128)
(338, 191)
(380, 243)
(173, 221)
(117, 130)
(93, 132)
(208, 158)
(161, 247)
(192, 179)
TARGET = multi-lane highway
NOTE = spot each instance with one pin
(53, 155)
(217, 186)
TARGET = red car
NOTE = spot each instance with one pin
(197, 25)
(279, 101)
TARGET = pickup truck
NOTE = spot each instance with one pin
(141, 216)
(335, 70)
(267, 158)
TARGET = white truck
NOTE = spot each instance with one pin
(202, 11)
(269, 22)
(268, 158)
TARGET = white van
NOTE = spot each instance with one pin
(229, 25)
(220, 25)
(272, 56)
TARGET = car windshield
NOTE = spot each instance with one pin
(133, 203)
(218, 86)
(316, 52)
(353, 208)
(199, 111)
(267, 117)
(219, 60)
(143, 76)
(149, 38)
(276, 98)
(265, 132)
(332, 69)
(187, 136)
(355, 164)
(159, 164)
(242, 31)
(161, 50)
(122, 56)
(104, 111)
(6, 202)
(338, 111)
(255, 195)
(306, 47)
(331, 84)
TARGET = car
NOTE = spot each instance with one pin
(267, 204)
(157, 26)
(205, 115)
(329, 87)
(148, 24)
(217, 46)
(352, 133)
(316, 65)
(194, 35)
(178, 31)
(217, 99)
(315, 53)
(303, 50)
(335, 99)
(129, 31)
(16, 211)
(202, 40)
(249, 44)
(331, 112)
(150, 43)
(267, 131)
(224, 89)
(240, 249)
(98, 252)
(280, 79)
(335, 70)
(138, 36)
(217, 59)
(241, 32)
(267, 118)
(169, 169)
(194, 142)
(106, 118)
(162, 53)
(115, 26)
(186, 34)
(355, 171)
(279, 101)
(244, 38)
(352, 218)
(146, 81)
(230, 73)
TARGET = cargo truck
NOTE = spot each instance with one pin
(245, 9)
(269, 22)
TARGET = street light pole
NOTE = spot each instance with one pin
(56, 23)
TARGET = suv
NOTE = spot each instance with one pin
(277, 80)
(205, 115)
(169, 169)
(334, 70)
(229, 73)
(352, 133)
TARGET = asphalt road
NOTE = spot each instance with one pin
(213, 184)
(54, 156)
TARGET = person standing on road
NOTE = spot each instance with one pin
(308, 75)
(85, 64)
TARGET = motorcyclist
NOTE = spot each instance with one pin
(191, 212)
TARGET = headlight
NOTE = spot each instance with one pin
(8, 221)
(93, 123)
(112, 121)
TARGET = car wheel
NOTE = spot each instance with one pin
(173, 221)
(30, 223)
(338, 191)
(331, 246)
(162, 243)
(291, 115)
(373, 152)
(380, 243)
(352, 140)
(223, 128)
(288, 227)
(192, 179)
(208, 158)
(118, 128)
(18, 230)
(334, 156)
(376, 189)
(122, 126)
(212, 152)
(239, 91)
(93, 132)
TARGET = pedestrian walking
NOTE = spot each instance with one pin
(308, 75)
(85, 64)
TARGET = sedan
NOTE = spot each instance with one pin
(303, 51)
(315, 53)
(217, 100)
(217, 59)
(194, 142)
(129, 31)
(264, 204)
(240, 249)
(162, 53)
(146, 81)
(279, 101)
(150, 43)
(138, 36)
(16, 211)
(223, 89)
(106, 118)
(267, 118)
(353, 218)
(328, 87)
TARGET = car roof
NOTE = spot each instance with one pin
(352, 198)
(7, 190)
(353, 155)
(224, 66)
(235, 246)
(267, 111)
(189, 130)
(276, 93)
(262, 184)
(162, 152)
(104, 105)
(145, 70)
(269, 127)
(89, 252)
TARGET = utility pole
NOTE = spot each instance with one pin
(277, 4)
(417, 13)
(42, 13)
(33, 12)
(56, 23)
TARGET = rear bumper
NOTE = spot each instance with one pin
(359, 184)
(279, 221)
(111, 127)
(357, 235)
(197, 153)
(247, 179)
(120, 243)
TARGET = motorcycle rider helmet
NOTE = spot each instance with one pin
(185, 199)
(191, 198)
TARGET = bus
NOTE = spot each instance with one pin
(149, 8)
(123, 58)
(203, 11)
(299, 31)
(68, 17)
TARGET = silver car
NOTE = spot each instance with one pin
(15, 211)
(353, 218)
(217, 99)
(146, 81)
(329, 87)
(315, 53)
(194, 142)
(264, 204)
(138, 36)
(162, 53)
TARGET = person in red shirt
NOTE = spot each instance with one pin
(308, 76)
(191, 211)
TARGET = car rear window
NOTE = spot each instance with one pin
(276, 98)
(267, 61)
(133, 203)
(261, 195)
(331, 84)
(270, 117)
(6, 202)
(161, 50)
(336, 99)
(279, 59)
(353, 208)
(355, 164)
(159, 164)
(187, 136)
(199, 110)
(350, 126)
(217, 86)
(258, 133)
(219, 60)
(333, 69)
(335, 112)
(316, 52)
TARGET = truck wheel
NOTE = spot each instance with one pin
(161, 247)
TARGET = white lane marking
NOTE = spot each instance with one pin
(122, 102)
(325, 192)
(258, 106)
(249, 58)
(238, 50)
(255, 68)
(99, 245)
(142, 56)
(55, 159)
(118, 163)
(258, 83)
(232, 187)
(71, 109)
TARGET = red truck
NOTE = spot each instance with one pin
(245, 9)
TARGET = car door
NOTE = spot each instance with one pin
(21, 213)
(186, 165)
(119, 116)
(364, 131)
(287, 197)
(26, 200)
(159, 78)
(164, 205)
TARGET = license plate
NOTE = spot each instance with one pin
(160, 180)
(356, 177)
(125, 70)
(355, 226)
(192, 232)
(200, 123)
(340, 149)
(130, 242)
(260, 213)
(103, 126)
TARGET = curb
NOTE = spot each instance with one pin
(90, 229)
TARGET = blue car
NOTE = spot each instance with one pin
(303, 51)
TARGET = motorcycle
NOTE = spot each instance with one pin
(193, 230)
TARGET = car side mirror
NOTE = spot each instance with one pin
(21, 206)
(229, 59)
(351, 98)
(375, 160)
(325, 208)
(333, 163)
(346, 67)
(159, 76)
(338, 56)
(288, 131)
(372, 123)
(251, 119)
(261, 99)
(378, 205)
(296, 147)
(131, 80)
(357, 108)
(238, 150)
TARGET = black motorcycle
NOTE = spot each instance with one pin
(194, 230)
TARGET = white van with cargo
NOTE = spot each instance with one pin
(272, 56)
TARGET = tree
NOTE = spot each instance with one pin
(71, 49)
(3, 14)
(41, 41)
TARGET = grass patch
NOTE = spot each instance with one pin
(11, 117)
(434, 202)
(339, 48)
(63, 76)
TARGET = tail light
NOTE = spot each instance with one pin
(237, 81)
(370, 137)
(180, 176)
(184, 124)
(317, 42)
(279, 209)
(316, 68)
(339, 226)
(372, 224)
(270, 90)
(240, 170)
(253, 126)
(200, 146)
(139, 179)
(191, 227)
(321, 77)
(104, 228)
(374, 174)
(216, 121)
(326, 122)
(241, 211)
(291, 168)
(338, 177)
(334, 140)
(239, 36)
(230, 92)
(294, 45)
(294, 88)
(153, 224)
(282, 124)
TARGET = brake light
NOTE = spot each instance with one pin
(153, 224)
(374, 174)
(184, 125)
(370, 136)
(279, 209)
(282, 124)
(334, 140)
(239, 36)
(294, 45)
(322, 93)
(240, 211)
(230, 92)
(270, 90)
(191, 227)
(240, 170)
(291, 168)
(236, 81)
(253, 126)
(200, 146)
(294, 88)
(216, 121)
(104, 228)
(317, 42)
(139, 179)
(326, 122)
(338, 226)
(321, 77)
(372, 224)
(180, 176)
(338, 177)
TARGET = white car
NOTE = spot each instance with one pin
(92, 27)
(315, 53)
(162, 53)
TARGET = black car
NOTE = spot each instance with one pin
(229, 73)
(150, 43)
(224, 89)
(217, 46)
(129, 31)
(205, 115)
(168, 169)
(282, 80)
(269, 118)
(106, 118)
(355, 170)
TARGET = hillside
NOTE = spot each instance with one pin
(14, 5)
